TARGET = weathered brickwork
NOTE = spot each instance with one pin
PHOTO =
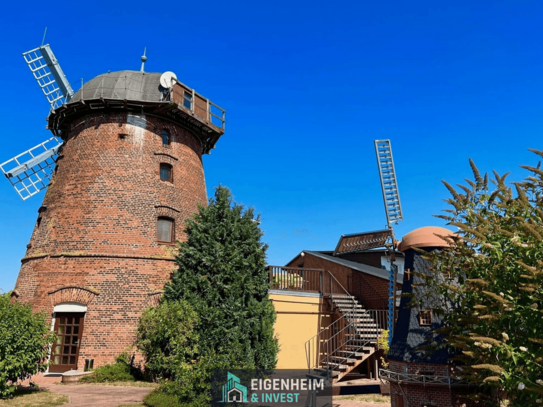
(408, 394)
(95, 241)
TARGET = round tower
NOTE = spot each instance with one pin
(128, 175)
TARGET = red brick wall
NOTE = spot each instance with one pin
(99, 228)
(429, 396)
(371, 290)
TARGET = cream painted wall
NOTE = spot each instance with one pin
(298, 319)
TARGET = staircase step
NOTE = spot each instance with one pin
(358, 348)
(323, 372)
(342, 359)
(351, 353)
(336, 365)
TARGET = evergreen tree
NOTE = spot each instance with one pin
(488, 286)
(222, 274)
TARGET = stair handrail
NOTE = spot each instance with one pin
(316, 340)
(348, 295)
(349, 328)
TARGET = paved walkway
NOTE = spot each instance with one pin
(103, 396)
(91, 395)
(351, 403)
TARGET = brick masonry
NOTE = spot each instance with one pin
(95, 241)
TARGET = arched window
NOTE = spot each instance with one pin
(165, 228)
(166, 172)
(166, 139)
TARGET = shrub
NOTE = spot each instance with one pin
(122, 370)
(24, 343)
(165, 335)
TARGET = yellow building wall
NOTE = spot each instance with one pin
(299, 318)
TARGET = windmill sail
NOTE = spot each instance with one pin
(49, 75)
(389, 184)
(31, 171)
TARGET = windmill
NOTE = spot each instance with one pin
(31, 171)
(381, 238)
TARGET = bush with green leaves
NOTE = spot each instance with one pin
(166, 337)
(488, 286)
(123, 370)
(24, 343)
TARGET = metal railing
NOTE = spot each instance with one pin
(200, 106)
(423, 379)
(316, 347)
(302, 279)
(295, 279)
(345, 339)
(380, 317)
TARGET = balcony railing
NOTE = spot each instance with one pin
(200, 106)
(302, 279)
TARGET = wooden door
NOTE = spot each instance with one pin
(69, 330)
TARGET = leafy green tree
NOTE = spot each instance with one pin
(488, 286)
(24, 343)
(222, 274)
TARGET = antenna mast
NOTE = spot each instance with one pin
(393, 210)
(143, 60)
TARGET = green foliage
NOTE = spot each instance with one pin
(24, 339)
(223, 279)
(222, 274)
(171, 394)
(383, 343)
(122, 370)
(166, 337)
(488, 286)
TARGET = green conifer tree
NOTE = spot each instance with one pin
(488, 286)
(223, 275)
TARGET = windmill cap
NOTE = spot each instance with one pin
(427, 236)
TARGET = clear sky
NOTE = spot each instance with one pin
(307, 86)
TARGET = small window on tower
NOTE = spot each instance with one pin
(187, 100)
(166, 139)
(166, 173)
(165, 230)
(425, 318)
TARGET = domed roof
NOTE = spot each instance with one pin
(122, 85)
(425, 237)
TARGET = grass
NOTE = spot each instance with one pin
(35, 398)
(368, 398)
(133, 405)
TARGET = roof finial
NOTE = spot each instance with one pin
(143, 59)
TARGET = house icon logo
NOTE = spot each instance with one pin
(233, 391)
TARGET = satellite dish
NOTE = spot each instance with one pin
(167, 79)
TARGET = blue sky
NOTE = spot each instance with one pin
(308, 86)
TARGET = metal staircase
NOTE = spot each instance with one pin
(346, 343)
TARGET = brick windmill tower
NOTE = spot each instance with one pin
(123, 171)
